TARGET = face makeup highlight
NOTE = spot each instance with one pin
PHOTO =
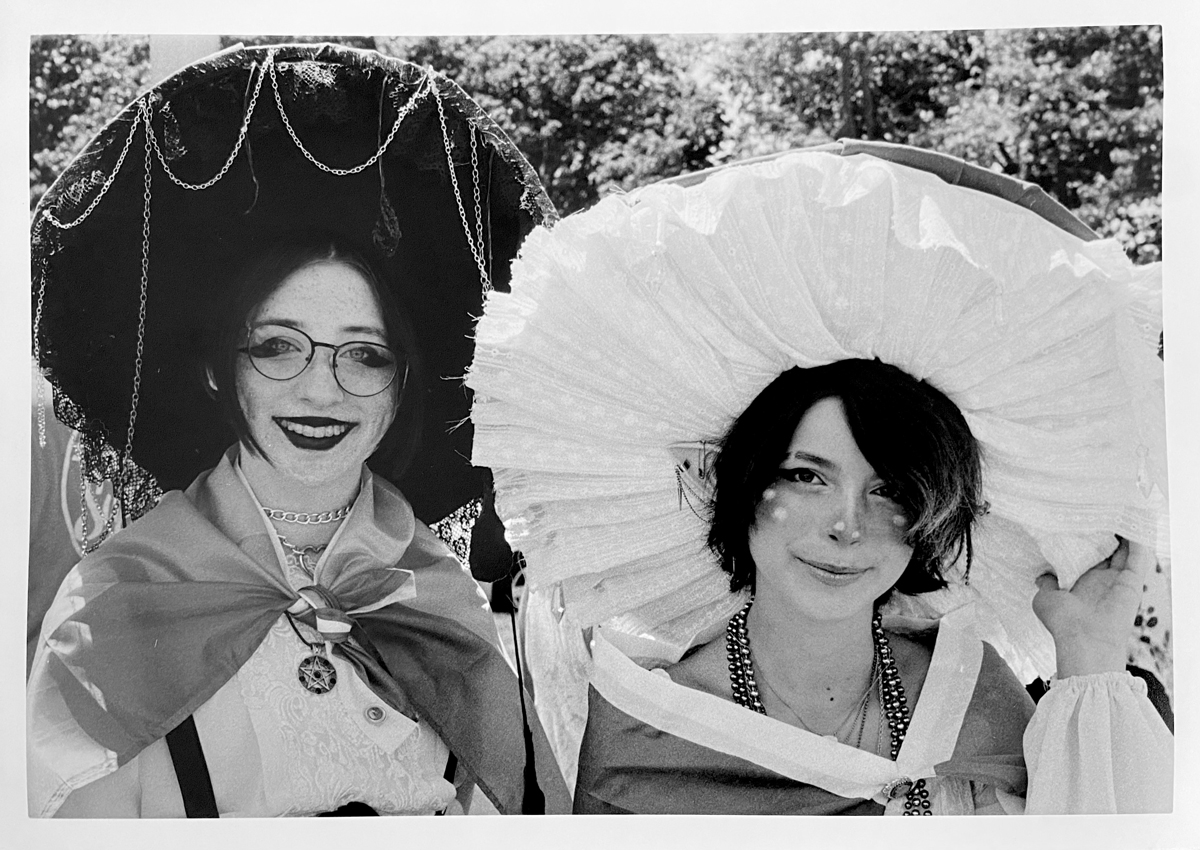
(827, 538)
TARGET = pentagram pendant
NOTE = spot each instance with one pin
(317, 674)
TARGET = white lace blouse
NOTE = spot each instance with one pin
(275, 749)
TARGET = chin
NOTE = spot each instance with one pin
(315, 468)
(825, 604)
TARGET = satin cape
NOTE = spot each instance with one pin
(714, 757)
(147, 628)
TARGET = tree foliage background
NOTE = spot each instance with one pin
(1077, 111)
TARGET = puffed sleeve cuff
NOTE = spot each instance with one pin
(1096, 745)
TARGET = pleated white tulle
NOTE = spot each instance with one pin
(638, 330)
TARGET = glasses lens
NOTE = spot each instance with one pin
(278, 352)
(365, 368)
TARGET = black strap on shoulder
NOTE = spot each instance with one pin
(191, 770)
(534, 801)
(451, 767)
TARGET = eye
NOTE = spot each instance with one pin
(800, 475)
(886, 491)
(367, 355)
(275, 346)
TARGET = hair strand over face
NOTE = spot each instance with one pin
(914, 437)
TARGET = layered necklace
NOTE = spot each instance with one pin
(315, 672)
(884, 677)
(305, 558)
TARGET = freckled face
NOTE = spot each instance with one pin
(312, 431)
(827, 536)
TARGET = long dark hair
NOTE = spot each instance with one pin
(914, 437)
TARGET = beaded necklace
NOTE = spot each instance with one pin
(891, 698)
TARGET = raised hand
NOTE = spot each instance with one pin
(1090, 622)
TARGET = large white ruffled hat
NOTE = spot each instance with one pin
(638, 330)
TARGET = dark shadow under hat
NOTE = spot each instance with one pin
(132, 244)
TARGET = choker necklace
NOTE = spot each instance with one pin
(893, 705)
(315, 672)
(323, 518)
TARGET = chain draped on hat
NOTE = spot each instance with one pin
(254, 141)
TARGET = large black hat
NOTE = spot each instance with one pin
(129, 245)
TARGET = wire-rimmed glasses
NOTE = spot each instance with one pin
(361, 368)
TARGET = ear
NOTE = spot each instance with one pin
(694, 470)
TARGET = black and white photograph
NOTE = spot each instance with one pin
(697, 420)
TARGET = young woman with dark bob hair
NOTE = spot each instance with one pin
(838, 486)
(876, 414)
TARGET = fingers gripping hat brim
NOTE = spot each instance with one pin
(637, 331)
(409, 206)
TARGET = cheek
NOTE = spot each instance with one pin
(250, 396)
(886, 523)
(771, 511)
(381, 413)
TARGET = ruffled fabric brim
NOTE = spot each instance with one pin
(637, 330)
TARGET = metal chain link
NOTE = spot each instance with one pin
(422, 90)
(197, 187)
(127, 455)
(83, 513)
(476, 249)
(53, 219)
(37, 352)
(41, 407)
(152, 149)
(478, 206)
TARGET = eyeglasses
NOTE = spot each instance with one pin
(360, 368)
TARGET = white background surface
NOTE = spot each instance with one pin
(1181, 23)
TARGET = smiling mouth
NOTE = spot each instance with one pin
(314, 432)
(832, 571)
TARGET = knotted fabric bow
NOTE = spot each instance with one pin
(149, 627)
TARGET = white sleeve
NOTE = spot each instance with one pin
(1096, 745)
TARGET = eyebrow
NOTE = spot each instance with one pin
(363, 329)
(816, 460)
(349, 329)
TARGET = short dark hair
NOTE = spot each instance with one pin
(914, 437)
(252, 275)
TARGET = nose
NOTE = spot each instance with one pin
(846, 525)
(317, 383)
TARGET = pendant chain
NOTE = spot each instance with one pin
(893, 704)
